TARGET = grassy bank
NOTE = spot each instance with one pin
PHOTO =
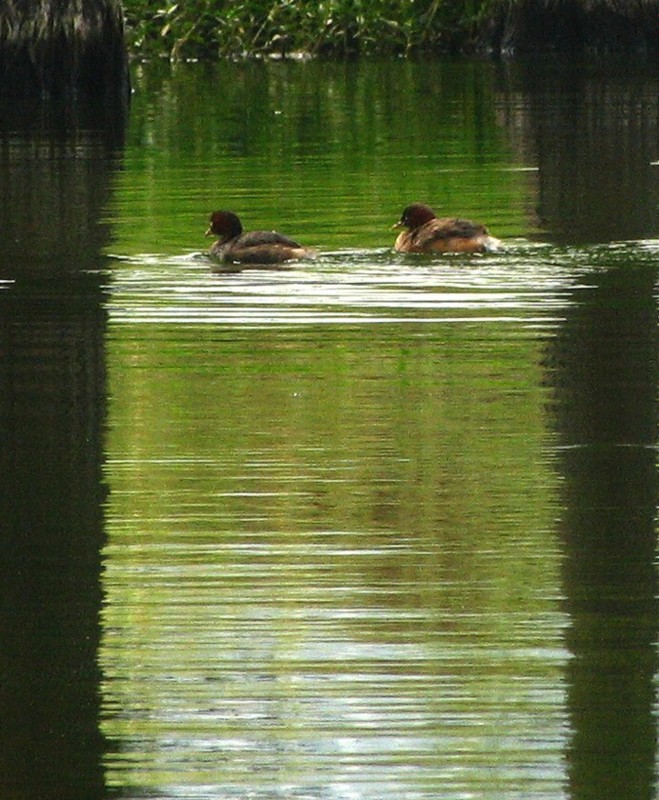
(232, 28)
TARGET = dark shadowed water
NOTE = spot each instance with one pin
(368, 527)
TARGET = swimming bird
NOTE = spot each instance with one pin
(428, 233)
(255, 247)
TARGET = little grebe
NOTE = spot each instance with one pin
(427, 233)
(256, 247)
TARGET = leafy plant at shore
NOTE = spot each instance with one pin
(230, 28)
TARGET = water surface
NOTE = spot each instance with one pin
(371, 526)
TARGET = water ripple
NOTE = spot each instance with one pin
(526, 283)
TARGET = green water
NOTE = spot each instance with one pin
(371, 526)
(329, 152)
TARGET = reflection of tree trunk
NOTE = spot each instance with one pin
(54, 181)
(593, 139)
(57, 47)
(604, 367)
(593, 136)
(53, 187)
(527, 26)
(51, 419)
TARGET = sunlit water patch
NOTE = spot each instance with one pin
(353, 560)
(333, 568)
(525, 283)
(325, 574)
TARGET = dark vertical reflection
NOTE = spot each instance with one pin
(594, 135)
(55, 175)
(604, 365)
(592, 131)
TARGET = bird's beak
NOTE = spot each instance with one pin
(209, 232)
(398, 224)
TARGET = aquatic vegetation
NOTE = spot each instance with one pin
(206, 28)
